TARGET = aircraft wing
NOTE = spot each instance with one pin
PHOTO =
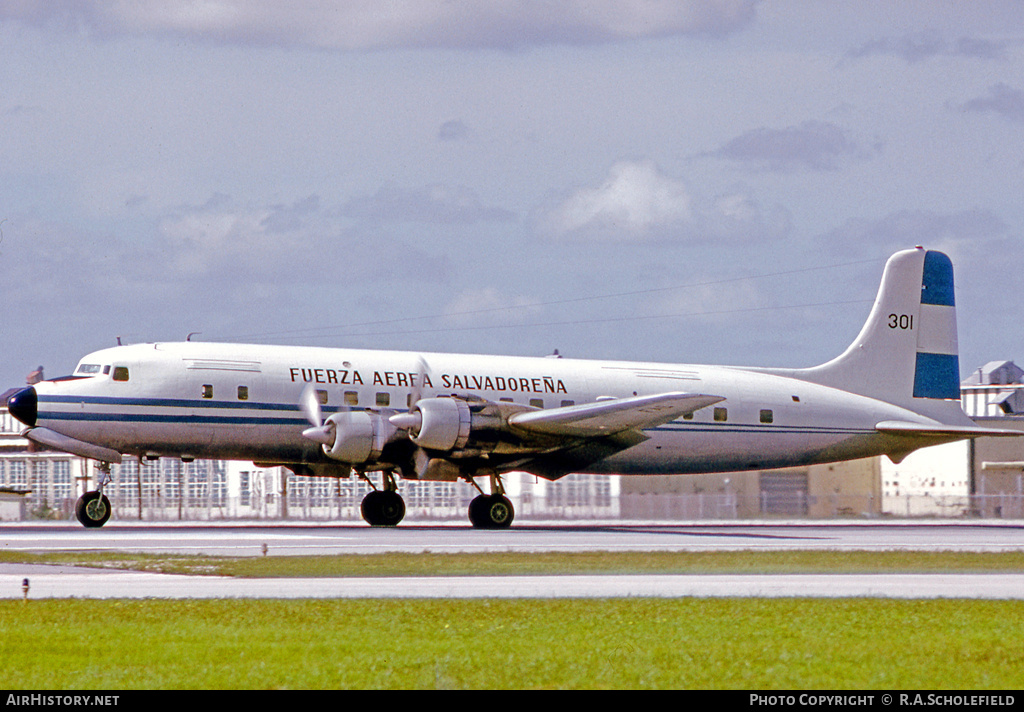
(608, 417)
(938, 430)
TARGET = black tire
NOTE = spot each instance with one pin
(491, 512)
(92, 509)
(382, 508)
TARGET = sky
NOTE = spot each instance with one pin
(688, 181)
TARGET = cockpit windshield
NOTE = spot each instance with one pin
(89, 369)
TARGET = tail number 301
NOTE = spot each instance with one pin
(901, 321)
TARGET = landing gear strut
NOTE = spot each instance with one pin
(383, 507)
(93, 508)
(491, 511)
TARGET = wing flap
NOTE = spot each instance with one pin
(612, 416)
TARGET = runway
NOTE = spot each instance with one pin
(307, 539)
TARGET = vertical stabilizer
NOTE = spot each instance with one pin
(906, 353)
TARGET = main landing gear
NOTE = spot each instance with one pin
(491, 511)
(93, 508)
(386, 508)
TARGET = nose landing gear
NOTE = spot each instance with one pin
(93, 508)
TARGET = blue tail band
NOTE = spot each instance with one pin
(937, 376)
(937, 281)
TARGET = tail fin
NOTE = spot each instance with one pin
(906, 353)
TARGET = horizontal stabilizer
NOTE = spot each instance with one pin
(56, 441)
(900, 427)
(612, 416)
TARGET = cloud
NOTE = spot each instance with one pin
(224, 236)
(1003, 100)
(926, 45)
(454, 130)
(635, 199)
(436, 204)
(813, 145)
(379, 24)
(907, 228)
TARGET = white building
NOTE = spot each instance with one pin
(949, 479)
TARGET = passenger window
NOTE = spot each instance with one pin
(506, 400)
(537, 402)
(688, 416)
(120, 373)
(567, 403)
(383, 399)
(351, 398)
(321, 397)
(207, 391)
(767, 416)
(721, 414)
(243, 393)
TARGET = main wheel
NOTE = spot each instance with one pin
(491, 512)
(382, 508)
(92, 509)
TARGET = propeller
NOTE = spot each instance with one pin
(411, 420)
(321, 432)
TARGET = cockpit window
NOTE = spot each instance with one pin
(87, 369)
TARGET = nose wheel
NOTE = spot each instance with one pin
(93, 508)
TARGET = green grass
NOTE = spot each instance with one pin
(512, 644)
(398, 564)
(619, 643)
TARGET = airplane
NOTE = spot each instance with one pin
(449, 417)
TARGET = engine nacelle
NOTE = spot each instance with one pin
(445, 424)
(463, 426)
(359, 436)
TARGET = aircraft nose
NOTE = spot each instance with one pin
(23, 405)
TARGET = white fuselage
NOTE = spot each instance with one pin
(238, 401)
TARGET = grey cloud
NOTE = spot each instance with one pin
(1003, 100)
(921, 46)
(454, 131)
(436, 204)
(365, 24)
(288, 218)
(813, 145)
(907, 228)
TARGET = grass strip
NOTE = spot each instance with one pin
(764, 644)
(516, 563)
